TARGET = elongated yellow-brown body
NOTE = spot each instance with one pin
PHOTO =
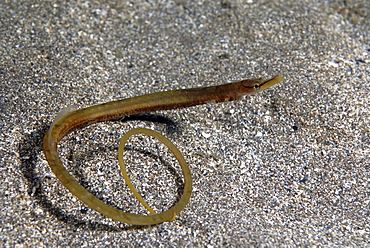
(141, 104)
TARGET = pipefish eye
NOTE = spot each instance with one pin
(256, 86)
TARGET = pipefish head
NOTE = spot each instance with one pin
(259, 84)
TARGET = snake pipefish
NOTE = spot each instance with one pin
(173, 99)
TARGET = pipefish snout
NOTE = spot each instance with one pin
(165, 100)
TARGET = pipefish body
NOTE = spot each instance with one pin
(165, 100)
